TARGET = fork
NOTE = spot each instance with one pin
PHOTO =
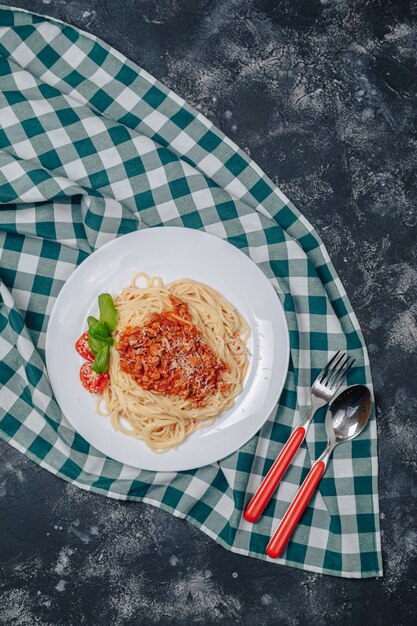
(322, 391)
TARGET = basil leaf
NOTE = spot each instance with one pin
(91, 321)
(107, 341)
(98, 330)
(95, 345)
(101, 362)
(108, 313)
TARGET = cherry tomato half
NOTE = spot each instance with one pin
(83, 349)
(93, 382)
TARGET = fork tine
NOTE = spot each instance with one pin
(326, 369)
(337, 369)
(342, 370)
(343, 373)
(332, 366)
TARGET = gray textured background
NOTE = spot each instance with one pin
(322, 94)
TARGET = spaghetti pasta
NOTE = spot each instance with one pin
(219, 333)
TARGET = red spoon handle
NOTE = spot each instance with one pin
(267, 487)
(293, 514)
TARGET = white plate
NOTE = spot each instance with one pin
(171, 253)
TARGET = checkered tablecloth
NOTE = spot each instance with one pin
(91, 147)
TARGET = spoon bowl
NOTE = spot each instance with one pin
(348, 414)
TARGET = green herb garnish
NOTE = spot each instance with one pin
(108, 313)
(94, 344)
(99, 332)
(91, 321)
(101, 362)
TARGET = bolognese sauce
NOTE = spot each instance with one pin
(169, 355)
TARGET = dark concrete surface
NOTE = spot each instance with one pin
(322, 94)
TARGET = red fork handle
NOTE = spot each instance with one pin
(267, 487)
(293, 514)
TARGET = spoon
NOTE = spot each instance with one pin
(346, 417)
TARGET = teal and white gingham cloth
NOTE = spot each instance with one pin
(91, 147)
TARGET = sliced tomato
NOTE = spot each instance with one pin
(93, 382)
(83, 349)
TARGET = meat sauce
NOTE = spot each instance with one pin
(169, 355)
